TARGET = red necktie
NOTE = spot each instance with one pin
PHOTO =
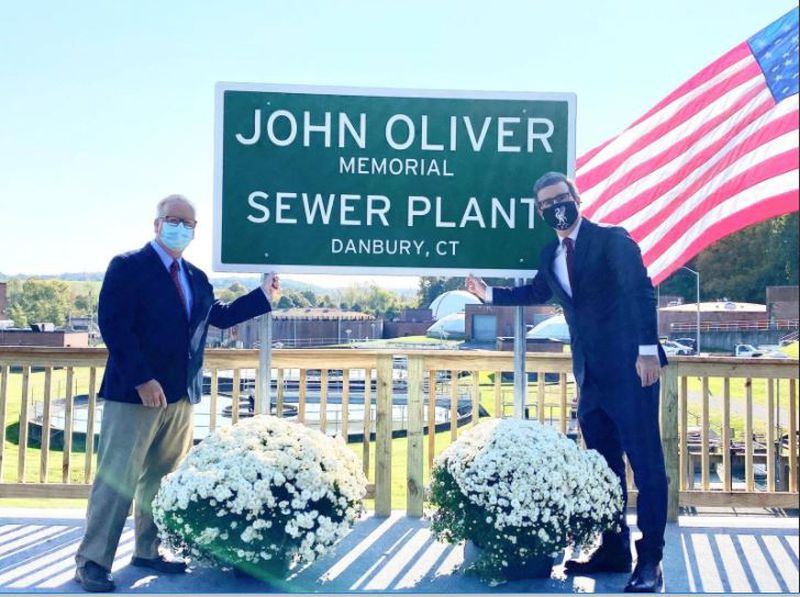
(174, 270)
(569, 249)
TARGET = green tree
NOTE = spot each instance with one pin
(431, 287)
(18, 316)
(232, 292)
(284, 302)
(40, 301)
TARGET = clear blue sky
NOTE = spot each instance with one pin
(108, 106)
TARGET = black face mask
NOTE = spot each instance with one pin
(562, 215)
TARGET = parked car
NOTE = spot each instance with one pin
(689, 342)
(747, 351)
(673, 348)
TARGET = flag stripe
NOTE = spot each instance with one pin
(771, 207)
(742, 200)
(717, 154)
(702, 178)
(629, 136)
(676, 185)
(730, 58)
(750, 199)
(663, 163)
(582, 160)
(658, 241)
(730, 62)
(737, 84)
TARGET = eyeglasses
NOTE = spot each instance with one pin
(175, 221)
(557, 200)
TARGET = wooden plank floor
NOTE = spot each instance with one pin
(709, 553)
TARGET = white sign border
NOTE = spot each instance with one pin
(223, 86)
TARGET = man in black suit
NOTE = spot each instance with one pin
(596, 274)
(154, 312)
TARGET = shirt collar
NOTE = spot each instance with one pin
(165, 257)
(573, 235)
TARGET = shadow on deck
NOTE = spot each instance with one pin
(730, 552)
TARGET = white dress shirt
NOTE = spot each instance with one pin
(562, 275)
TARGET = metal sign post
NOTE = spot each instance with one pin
(264, 360)
(520, 379)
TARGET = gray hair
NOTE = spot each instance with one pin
(161, 208)
(551, 178)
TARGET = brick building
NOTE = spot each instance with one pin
(412, 322)
(671, 320)
(782, 302)
(52, 339)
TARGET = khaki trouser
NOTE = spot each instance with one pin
(138, 446)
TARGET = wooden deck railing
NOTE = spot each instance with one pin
(751, 402)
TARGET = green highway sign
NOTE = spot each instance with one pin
(384, 181)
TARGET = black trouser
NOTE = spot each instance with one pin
(622, 417)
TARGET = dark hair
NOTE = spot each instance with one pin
(551, 178)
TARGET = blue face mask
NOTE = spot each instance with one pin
(176, 237)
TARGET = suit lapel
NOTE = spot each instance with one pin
(196, 294)
(163, 275)
(582, 249)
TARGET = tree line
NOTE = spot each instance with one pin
(36, 300)
(738, 267)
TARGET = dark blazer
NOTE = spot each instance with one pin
(613, 305)
(148, 335)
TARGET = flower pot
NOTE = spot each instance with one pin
(535, 567)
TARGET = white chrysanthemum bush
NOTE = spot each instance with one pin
(262, 496)
(520, 491)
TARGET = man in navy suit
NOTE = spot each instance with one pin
(596, 274)
(154, 312)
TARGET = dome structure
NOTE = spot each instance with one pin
(552, 328)
(452, 301)
(449, 327)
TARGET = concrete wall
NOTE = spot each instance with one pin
(531, 345)
(726, 341)
(59, 339)
(296, 332)
(505, 317)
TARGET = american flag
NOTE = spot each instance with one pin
(718, 154)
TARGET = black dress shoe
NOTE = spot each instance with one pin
(159, 564)
(604, 559)
(94, 578)
(646, 578)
